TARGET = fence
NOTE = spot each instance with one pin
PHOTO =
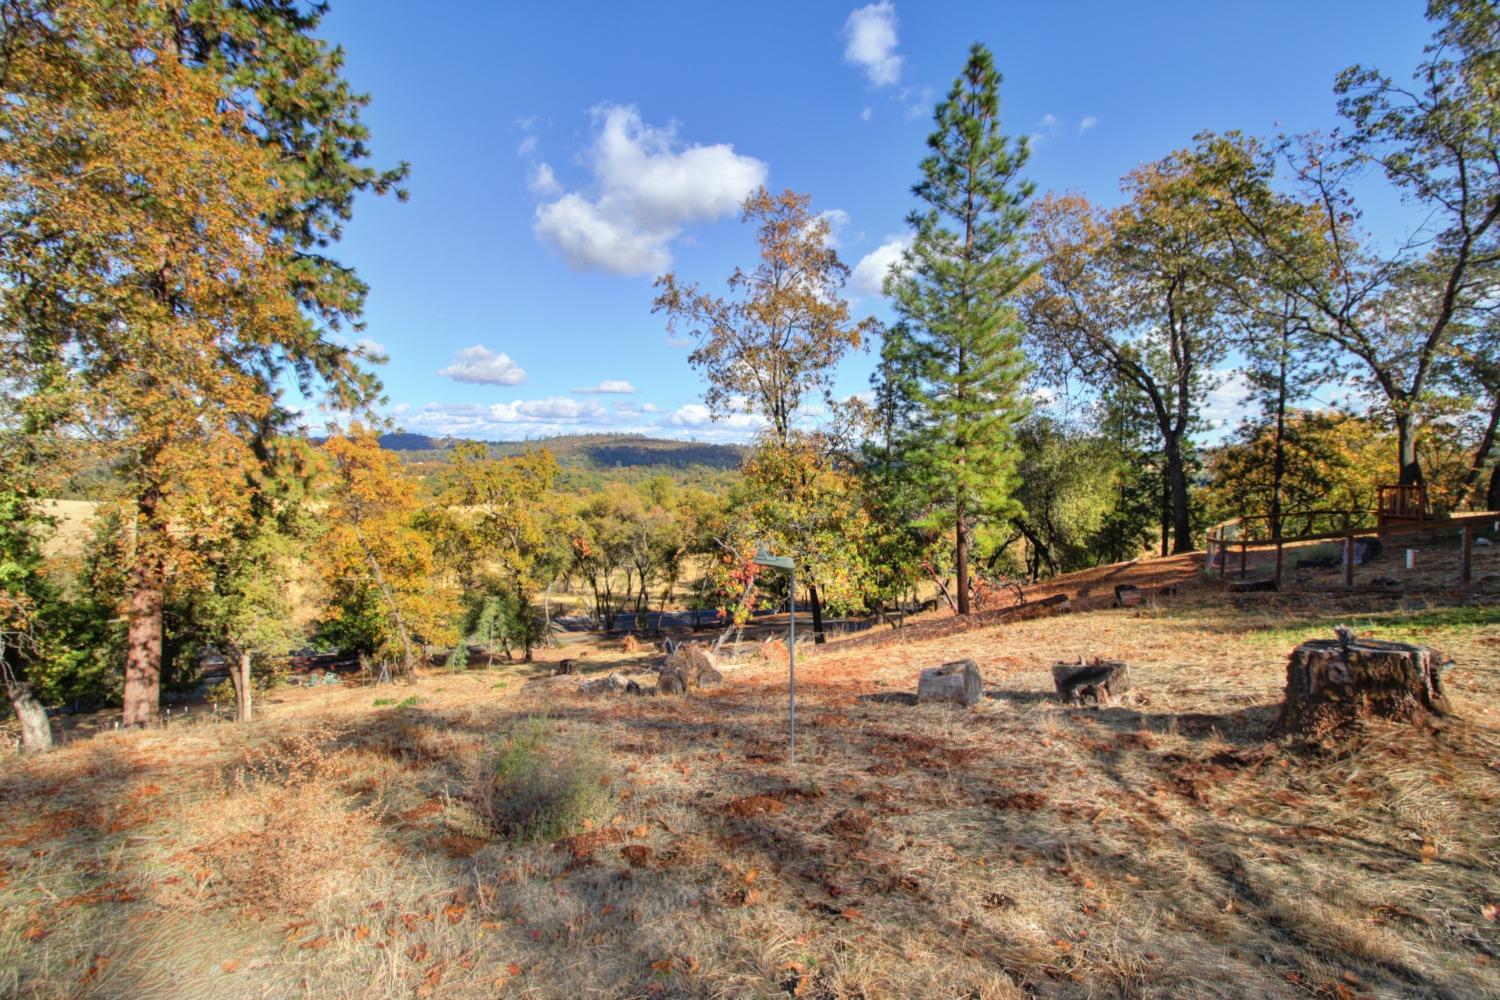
(1235, 544)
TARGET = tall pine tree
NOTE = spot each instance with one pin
(954, 292)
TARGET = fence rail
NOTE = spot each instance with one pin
(1239, 535)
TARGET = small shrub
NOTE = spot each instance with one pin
(458, 658)
(535, 789)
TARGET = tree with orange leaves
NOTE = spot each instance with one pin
(169, 178)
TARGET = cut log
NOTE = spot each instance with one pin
(1127, 595)
(1331, 683)
(957, 682)
(1093, 682)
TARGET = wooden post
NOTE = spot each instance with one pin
(1244, 556)
(1466, 558)
(1348, 560)
(1278, 562)
(1223, 558)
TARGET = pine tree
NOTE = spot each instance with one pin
(954, 292)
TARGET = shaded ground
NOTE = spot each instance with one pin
(1160, 849)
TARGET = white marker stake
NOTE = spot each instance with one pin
(1411, 558)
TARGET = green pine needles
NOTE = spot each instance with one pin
(954, 295)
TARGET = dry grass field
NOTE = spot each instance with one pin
(350, 843)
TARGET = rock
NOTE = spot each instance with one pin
(1127, 595)
(690, 666)
(565, 668)
(1483, 541)
(1333, 682)
(615, 683)
(958, 682)
(1096, 682)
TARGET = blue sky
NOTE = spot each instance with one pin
(564, 154)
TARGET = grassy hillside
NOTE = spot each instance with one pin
(359, 842)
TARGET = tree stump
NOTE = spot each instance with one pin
(1095, 682)
(1127, 595)
(1333, 682)
(956, 682)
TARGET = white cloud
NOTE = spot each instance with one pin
(553, 408)
(870, 32)
(610, 385)
(520, 418)
(526, 148)
(696, 416)
(370, 347)
(867, 113)
(868, 276)
(483, 366)
(542, 182)
(1087, 122)
(1228, 402)
(837, 219)
(647, 187)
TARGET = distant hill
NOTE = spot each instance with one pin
(587, 460)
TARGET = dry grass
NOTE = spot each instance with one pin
(1021, 848)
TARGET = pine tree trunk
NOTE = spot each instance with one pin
(961, 560)
(1492, 498)
(36, 731)
(142, 696)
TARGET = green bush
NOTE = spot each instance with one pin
(533, 788)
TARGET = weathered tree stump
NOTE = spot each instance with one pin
(1331, 683)
(1093, 682)
(1127, 595)
(958, 682)
(690, 666)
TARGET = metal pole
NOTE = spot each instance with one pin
(791, 663)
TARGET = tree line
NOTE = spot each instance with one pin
(176, 177)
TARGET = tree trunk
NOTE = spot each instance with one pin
(1406, 444)
(1481, 454)
(817, 614)
(142, 696)
(1182, 528)
(1166, 514)
(1492, 498)
(961, 560)
(1331, 683)
(36, 731)
(239, 674)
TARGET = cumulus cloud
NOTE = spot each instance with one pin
(837, 220)
(870, 36)
(647, 187)
(609, 385)
(1087, 122)
(482, 366)
(522, 418)
(542, 182)
(1228, 402)
(868, 276)
(696, 416)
